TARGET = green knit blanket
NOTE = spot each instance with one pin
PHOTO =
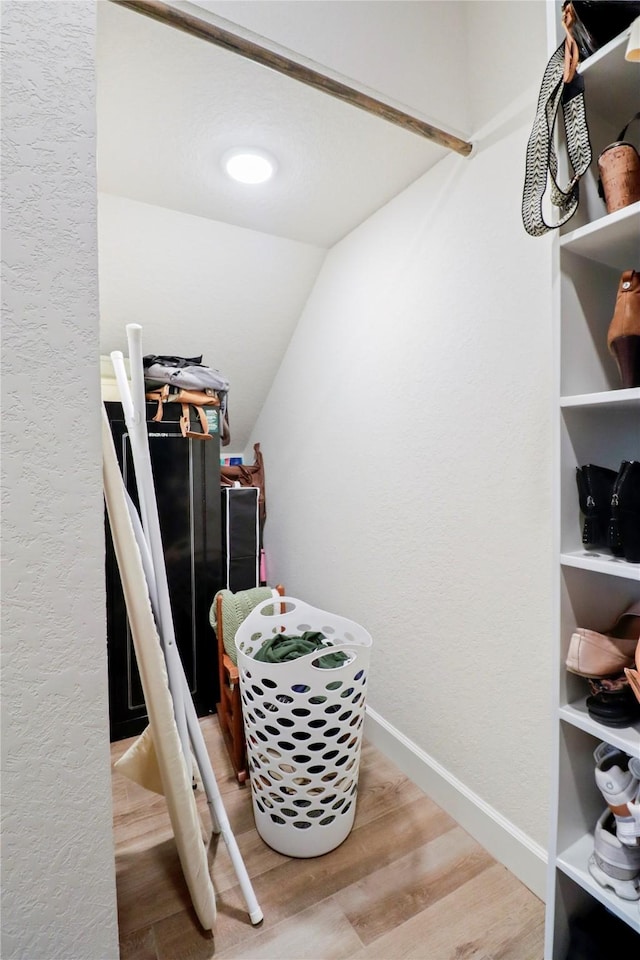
(235, 608)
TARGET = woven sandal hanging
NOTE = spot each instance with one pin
(562, 87)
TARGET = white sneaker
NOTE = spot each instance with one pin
(613, 864)
(634, 805)
(620, 788)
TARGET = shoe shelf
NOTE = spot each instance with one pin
(611, 240)
(602, 434)
(622, 399)
(601, 563)
(589, 376)
(572, 887)
(597, 422)
(626, 738)
(603, 74)
(572, 861)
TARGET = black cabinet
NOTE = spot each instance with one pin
(187, 482)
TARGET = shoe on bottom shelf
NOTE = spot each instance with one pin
(613, 864)
(616, 779)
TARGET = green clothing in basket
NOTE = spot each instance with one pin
(283, 647)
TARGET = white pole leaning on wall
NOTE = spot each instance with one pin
(149, 539)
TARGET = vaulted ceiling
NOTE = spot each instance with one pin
(213, 267)
(170, 105)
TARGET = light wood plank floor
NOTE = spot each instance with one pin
(407, 883)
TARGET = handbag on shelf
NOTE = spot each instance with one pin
(623, 336)
(588, 25)
(562, 90)
(541, 170)
(596, 22)
(619, 172)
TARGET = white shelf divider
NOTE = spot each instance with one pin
(626, 739)
(574, 862)
(623, 399)
(601, 563)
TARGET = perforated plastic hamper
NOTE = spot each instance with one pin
(303, 726)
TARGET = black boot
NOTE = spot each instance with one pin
(614, 532)
(595, 488)
(624, 523)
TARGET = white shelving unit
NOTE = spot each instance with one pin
(597, 422)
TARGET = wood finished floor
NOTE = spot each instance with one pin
(407, 884)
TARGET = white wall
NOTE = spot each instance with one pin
(505, 53)
(58, 878)
(198, 286)
(407, 442)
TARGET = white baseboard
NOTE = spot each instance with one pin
(509, 845)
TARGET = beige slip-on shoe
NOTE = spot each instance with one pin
(593, 654)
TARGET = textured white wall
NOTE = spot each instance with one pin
(407, 442)
(58, 882)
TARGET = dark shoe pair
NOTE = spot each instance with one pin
(610, 506)
(612, 702)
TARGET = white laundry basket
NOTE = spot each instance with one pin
(303, 725)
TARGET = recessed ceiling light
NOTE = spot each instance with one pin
(248, 165)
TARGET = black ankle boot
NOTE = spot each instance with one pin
(624, 523)
(595, 489)
(614, 531)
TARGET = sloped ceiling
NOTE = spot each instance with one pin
(169, 106)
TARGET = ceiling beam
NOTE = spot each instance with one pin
(197, 27)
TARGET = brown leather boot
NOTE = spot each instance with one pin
(623, 338)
